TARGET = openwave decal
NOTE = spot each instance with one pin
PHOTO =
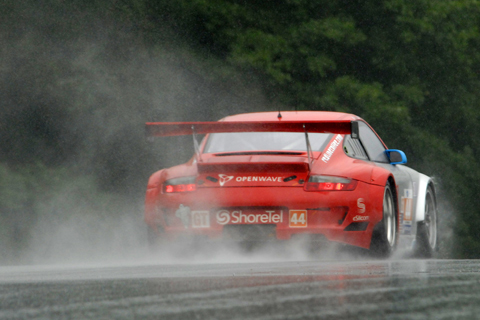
(224, 179)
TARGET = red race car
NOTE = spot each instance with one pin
(260, 175)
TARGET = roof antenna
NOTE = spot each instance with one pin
(279, 115)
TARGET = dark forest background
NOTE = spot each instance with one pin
(78, 79)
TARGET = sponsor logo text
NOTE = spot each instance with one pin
(331, 148)
(238, 217)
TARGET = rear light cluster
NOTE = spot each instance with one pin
(184, 184)
(330, 183)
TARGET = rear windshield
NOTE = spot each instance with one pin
(265, 141)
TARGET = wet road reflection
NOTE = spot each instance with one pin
(403, 289)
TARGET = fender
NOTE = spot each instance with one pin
(380, 176)
(154, 179)
(423, 183)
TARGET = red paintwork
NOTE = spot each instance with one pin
(243, 191)
(164, 129)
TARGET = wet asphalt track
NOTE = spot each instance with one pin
(402, 289)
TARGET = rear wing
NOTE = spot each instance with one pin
(165, 129)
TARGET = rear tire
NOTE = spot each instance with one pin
(384, 237)
(427, 237)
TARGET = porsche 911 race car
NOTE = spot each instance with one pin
(282, 175)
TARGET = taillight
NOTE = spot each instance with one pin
(184, 184)
(330, 183)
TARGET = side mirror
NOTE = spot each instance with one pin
(396, 156)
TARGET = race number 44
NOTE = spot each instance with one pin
(298, 218)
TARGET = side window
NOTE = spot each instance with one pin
(373, 145)
(353, 148)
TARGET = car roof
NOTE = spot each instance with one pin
(292, 115)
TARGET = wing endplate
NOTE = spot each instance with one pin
(165, 129)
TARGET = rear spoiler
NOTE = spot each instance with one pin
(165, 129)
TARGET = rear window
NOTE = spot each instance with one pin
(265, 141)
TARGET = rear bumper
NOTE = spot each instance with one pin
(342, 216)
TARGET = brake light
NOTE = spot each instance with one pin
(330, 183)
(185, 184)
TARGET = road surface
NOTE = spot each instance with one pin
(371, 289)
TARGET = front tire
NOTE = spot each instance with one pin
(384, 237)
(427, 238)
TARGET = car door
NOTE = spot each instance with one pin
(375, 150)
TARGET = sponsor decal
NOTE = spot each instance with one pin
(407, 229)
(183, 212)
(361, 205)
(258, 178)
(407, 193)
(238, 217)
(407, 204)
(331, 148)
(200, 219)
(224, 179)
(297, 219)
(223, 217)
(361, 218)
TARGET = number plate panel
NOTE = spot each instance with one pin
(297, 219)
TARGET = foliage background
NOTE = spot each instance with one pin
(79, 79)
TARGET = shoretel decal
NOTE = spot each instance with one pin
(238, 217)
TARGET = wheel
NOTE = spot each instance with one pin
(384, 237)
(426, 241)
